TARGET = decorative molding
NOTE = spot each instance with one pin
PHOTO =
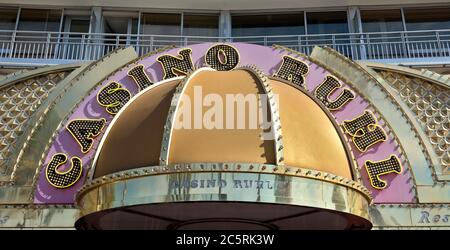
(379, 99)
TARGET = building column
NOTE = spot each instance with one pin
(354, 20)
(96, 20)
(355, 26)
(225, 24)
(95, 27)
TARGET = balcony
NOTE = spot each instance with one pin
(32, 48)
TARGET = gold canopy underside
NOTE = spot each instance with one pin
(310, 139)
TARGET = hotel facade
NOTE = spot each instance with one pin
(139, 114)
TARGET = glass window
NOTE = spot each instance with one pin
(39, 20)
(381, 20)
(79, 25)
(200, 25)
(161, 24)
(427, 19)
(327, 22)
(383, 44)
(115, 25)
(8, 18)
(323, 26)
(134, 25)
(266, 25)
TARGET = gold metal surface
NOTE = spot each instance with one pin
(286, 189)
(225, 167)
(310, 132)
(389, 90)
(434, 194)
(410, 216)
(175, 104)
(26, 74)
(221, 145)
(38, 216)
(429, 103)
(135, 137)
(28, 158)
(310, 139)
(16, 190)
(18, 102)
(399, 126)
(410, 81)
(275, 121)
(424, 74)
(423, 177)
(383, 216)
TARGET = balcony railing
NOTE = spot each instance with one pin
(432, 45)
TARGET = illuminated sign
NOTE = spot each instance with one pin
(373, 144)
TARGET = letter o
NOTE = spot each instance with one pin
(222, 57)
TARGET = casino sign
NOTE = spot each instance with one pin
(150, 142)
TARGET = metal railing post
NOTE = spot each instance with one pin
(13, 42)
(333, 41)
(438, 40)
(404, 46)
(362, 47)
(47, 45)
(151, 43)
(138, 47)
(358, 46)
(82, 55)
(369, 47)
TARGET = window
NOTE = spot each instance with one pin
(7, 22)
(381, 20)
(425, 43)
(39, 20)
(76, 20)
(154, 26)
(8, 18)
(122, 26)
(280, 26)
(427, 19)
(326, 25)
(380, 44)
(120, 22)
(267, 25)
(327, 22)
(161, 24)
(200, 25)
(79, 25)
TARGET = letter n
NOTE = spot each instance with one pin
(174, 66)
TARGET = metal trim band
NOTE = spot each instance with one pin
(225, 167)
(263, 81)
(290, 186)
(170, 121)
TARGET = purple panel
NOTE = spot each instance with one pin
(265, 58)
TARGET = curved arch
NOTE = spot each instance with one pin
(396, 114)
(50, 116)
